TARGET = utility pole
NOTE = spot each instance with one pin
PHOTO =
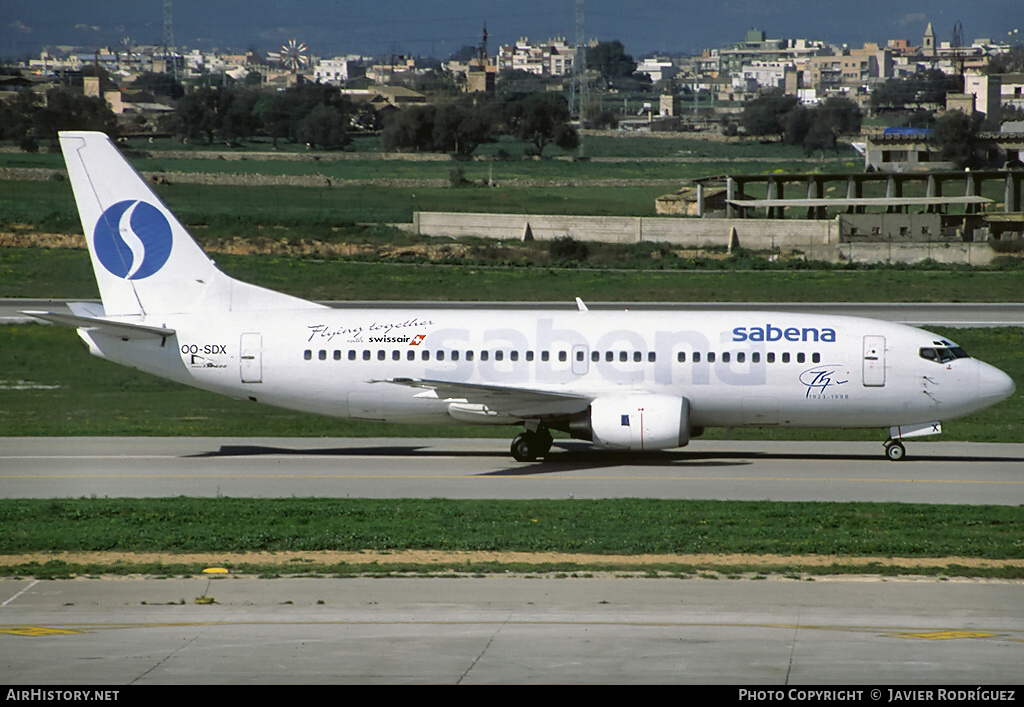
(579, 93)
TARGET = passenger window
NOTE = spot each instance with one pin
(380, 354)
(545, 356)
(439, 355)
(366, 355)
(816, 358)
(800, 358)
(455, 355)
(637, 357)
(322, 355)
(351, 354)
(307, 354)
(755, 357)
(529, 355)
(623, 356)
(741, 357)
(725, 357)
(513, 355)
(651, 357)
(595, 356)
(396, 355)
(410, 355)
(337, 355)
(681, 357)
(770, 358)
(484, 355)
(711, 357)
(499, 355)
(785, 357)
(696, 356)
(469, 355)
(562, 356)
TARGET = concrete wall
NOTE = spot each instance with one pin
(816, 239)
(756, 234)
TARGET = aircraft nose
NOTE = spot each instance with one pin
(993, 384)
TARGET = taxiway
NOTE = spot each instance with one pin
(934, 472)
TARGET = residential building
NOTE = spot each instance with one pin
(551, 58)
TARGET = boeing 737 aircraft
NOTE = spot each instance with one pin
(622, 380)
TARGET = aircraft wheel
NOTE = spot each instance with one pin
(523, 448)
(895, 450)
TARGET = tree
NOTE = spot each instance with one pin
(542, 119)
(196, 114)
(611, 60)
(16, 116)
(954, 134)
(929, 86)
(462, 127)
(765, 114)
(69, 110)
(159, 84)
(830, 120)
(324, 126)
(1010, 62)
(410, 129)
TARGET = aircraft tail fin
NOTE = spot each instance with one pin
(144, 260)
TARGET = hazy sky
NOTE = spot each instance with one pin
(419, 27)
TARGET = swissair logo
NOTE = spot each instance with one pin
(417, 340)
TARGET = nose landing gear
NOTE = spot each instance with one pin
(895, 450)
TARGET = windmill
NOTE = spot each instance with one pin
(291, 55)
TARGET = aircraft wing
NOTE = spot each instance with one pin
(122, 330)
(506, 400)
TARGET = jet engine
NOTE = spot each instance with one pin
(634, 422)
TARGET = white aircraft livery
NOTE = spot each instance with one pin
(624, 380)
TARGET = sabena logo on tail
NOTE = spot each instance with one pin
(132, 239)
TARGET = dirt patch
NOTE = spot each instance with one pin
(267, 245)
(433, 557)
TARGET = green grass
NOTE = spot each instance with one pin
(66, 273)
(77, 394)
(623, 526)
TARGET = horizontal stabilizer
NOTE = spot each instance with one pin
(123, 330)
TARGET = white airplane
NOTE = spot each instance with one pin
(623, 380)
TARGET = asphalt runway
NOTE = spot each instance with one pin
(866, 632)
(857, 630)
(933, 472)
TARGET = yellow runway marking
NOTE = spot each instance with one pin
(36, 631)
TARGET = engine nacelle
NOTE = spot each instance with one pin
(635, 422)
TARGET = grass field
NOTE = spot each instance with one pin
(630, 526)
(67, 273)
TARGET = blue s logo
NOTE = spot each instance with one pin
(132, 239)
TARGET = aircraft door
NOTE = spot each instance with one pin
(250, 358)
(874, 361)
(580, 359)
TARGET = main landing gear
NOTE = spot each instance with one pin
(895, 450)
(531, 444)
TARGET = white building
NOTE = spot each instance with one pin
(761, 74)
(657, 69)
(551, 58)
(339, 69)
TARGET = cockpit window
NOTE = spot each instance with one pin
(942, 354)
